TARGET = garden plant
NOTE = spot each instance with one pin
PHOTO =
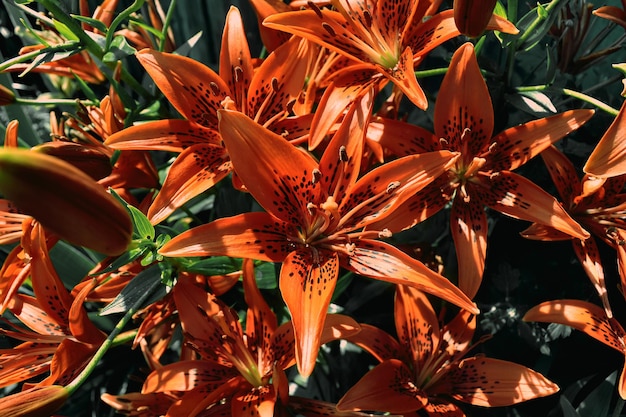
(312, 208)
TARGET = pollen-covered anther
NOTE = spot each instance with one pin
(317, 175)
(350, 247)
(385, 233)
(443, 142)
(466, 132)
(392, 186)
(311, 208)
(228, 104)
(492, 147)
(330, 205)
(343, 154)
(494, 176)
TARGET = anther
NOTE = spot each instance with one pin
(238, 71)
(343, 154)
(329, 29)
(215, 89)
(385, 233)
(492, 147)
(443, 142)
(317, 175)
(311, 208)
(275, 84)
(392, 186)
(316, 9)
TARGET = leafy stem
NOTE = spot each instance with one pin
(571, 93)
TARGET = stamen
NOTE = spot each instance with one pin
(274, 84)
(443, 142)
(311, 208)
(392, 186)
(214, 88)
(238, 72)
(317, 175)
(343, 154)
(329, 29)
(316, 9)
(385, 233)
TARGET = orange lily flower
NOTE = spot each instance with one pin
(425, 368)
(482, 176)
(597, 204)
(245, 368)
(36, 401)
(61, 338)
(196, 92)
(589, 319)
(315, 213)
(387, 36)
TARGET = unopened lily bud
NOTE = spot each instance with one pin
(472, 16)
(90, 160)
(64, 200)
(34, 402)
(6, 96)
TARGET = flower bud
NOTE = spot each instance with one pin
(6, 96)
(64, 200)
(472, 16)
(88, 159)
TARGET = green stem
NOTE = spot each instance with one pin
(511, 11)
(572, 93)
(166, 25)
(119, 19)
(540, 18)
(54, 102)
(110, 341)
(431, 72)
(30, 55)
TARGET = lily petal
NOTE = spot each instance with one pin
(518, 144)
(382, 261)
(518, 197)
(491, 382)
(583, 316)
(386, 388)
(377, 342)
(279, 176)
(468, 224)
(194, 171)
(187, 375)
(307, 285)
(252, 235)
(173, 135)
(607, 158)
(192, 88)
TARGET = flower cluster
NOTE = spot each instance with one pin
(224, 220)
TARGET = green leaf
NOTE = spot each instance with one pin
(71, 264)
(148, 280)
(142, 228)
(64, 30)
(125, 258)
(533, 102)
(265, 274)
(119, 49)
(540, 30)
(95, 23)
(216, 265)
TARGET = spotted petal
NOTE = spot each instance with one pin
(278, 175)
(192, 88)
(307, 282)
(386, 388)
(563, 174)
(173, 135)
(235, 59)
(517, 145)
(518, 197)
(416, 324)
(252, 235)
(382, 261)
(468, 224)
(463, 112)
(187, 375)
(491, 382)
(194, 171)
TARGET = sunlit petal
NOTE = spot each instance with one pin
(468, 224)
(252, 235)
(607, 158)
(307, 282)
